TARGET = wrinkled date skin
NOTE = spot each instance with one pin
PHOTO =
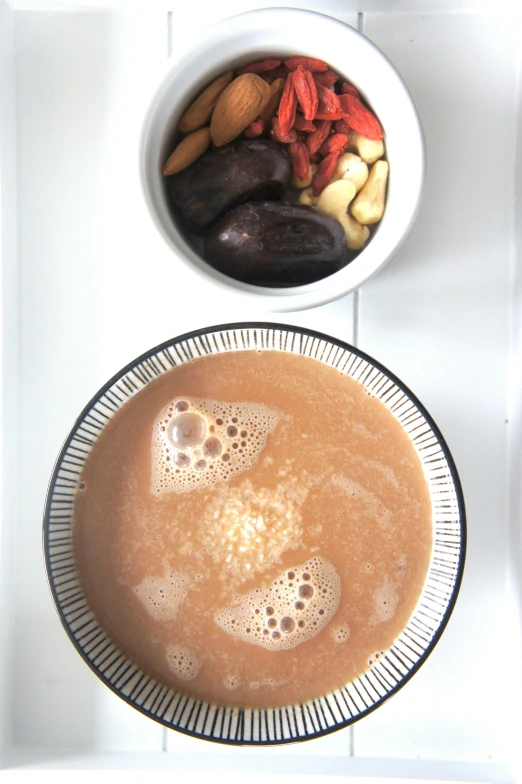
(223, 178)
(276, 244)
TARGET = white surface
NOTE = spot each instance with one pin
(8, 358)
(442, 286)
(92, 294)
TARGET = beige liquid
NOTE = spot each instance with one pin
(273, 580)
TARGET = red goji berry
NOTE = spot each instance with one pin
(324, 173)
(279, 136)
(316, 139)
(349, 89)
(267, 79)
(255, 128)
(300, 158)
(328, 101)
(333, 116)
(334, 143)
(287, 106)
(278, 73)
(360, 118)
(341, 126)
(310, 63)
(315, 158)
(306, 91)
(260, 67)
(303, 125)
(326, 78)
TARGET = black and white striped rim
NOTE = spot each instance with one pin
(295, 722)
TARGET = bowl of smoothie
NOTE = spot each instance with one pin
(254, 534)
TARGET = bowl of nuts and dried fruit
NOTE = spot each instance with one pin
(283, 158)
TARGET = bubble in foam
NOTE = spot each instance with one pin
(162, 596)
(188, 429)
(232, 682)
(212, 447)
(183, 662)
(200, 437)
(269, 618)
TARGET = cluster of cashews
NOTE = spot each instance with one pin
(356, 194)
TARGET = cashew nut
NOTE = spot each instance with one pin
(351, 167)
(336, 197)
(370, 151)
(307, 197)
(368, 207)
(297, 183)
(356, 235)
(334, 201)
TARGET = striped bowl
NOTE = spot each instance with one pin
(253, 726)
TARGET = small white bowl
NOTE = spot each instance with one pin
(283, 32)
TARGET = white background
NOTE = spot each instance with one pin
(87, 285)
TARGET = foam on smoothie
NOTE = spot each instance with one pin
(182, 662)
(162, 596)
(293, 609)
(198, 442)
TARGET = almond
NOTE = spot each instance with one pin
(188, 151)
(238, 105)
(276, 90)
(198, 114)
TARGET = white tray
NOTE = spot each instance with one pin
(87, 285)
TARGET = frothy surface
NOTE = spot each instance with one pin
(197, 443)
(334, 490)
(183, 662)
(293, 609)
(247, 529)
(162, 596)
(385, 600)
(341, 633)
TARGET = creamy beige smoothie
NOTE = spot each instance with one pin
(254, 528)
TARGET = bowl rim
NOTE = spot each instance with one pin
(404, 678)
(348, 278)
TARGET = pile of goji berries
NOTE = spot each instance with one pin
(313, 119)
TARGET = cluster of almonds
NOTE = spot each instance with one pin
(332, 138)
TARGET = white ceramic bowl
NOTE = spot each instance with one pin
(283, 32)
